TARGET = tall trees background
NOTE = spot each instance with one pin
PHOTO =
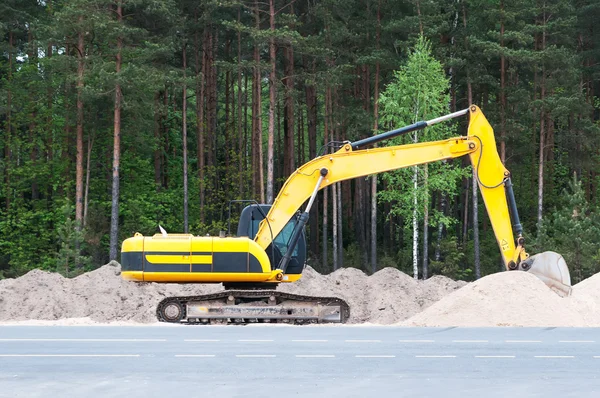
(119, 115)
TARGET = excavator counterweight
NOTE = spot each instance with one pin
(270, 247)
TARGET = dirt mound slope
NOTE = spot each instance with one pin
(387, 297)
(504, 299)
(103, 296)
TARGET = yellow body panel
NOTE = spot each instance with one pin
(188, 258)
(179, 259)
(202, 244)
(134, 244)
(169, 243)
(206, 277)
(201, 259)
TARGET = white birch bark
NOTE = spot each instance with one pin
(334, 217)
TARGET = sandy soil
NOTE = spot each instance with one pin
(387, 297)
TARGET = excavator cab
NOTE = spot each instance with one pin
(248, 226)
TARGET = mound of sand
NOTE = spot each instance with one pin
(387, 297)
(102, 295)
(505, 299)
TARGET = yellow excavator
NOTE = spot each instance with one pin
(270, 246)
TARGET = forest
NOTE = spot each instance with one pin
(117, 116)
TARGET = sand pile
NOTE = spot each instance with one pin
(386, 297)
(100, 295)
(514, 299)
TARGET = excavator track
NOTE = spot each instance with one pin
(252, 306)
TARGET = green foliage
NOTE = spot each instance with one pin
(573, 230)
(551, 65)
(453, 261)
(419, 91)
(69, 260)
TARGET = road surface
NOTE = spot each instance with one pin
(299, 361)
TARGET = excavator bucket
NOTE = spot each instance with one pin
(552, 269)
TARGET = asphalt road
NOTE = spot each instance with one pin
(298, 361)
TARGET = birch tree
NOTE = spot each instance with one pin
(418, 91)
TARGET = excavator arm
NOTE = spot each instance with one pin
(352, 161)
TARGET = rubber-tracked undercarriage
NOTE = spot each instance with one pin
(252, 306)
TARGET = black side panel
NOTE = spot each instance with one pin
(230, 262)
(200, 267)
(254, 264)
(149, 267)
(131, 261)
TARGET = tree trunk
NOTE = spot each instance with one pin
(79, 159)
(325, 191)
(438, 254)
(415, 225)
(272, 99)
(50, 113)
(465, 214)
(474, 197)
(415, 204)
(336, 135)
(87, 178)
(339, 224)
(165, 134)
(114, 215)
(200, 79)
(311, 110)
(257, 181)
(157, 140)
(288, 148)
(8, 127)
(301, 139)
(418, 4)
(239, 112)
(228, 107)
(184, 138)
(334, 218)
(248, 184)
(65, 156)
(211, 109)
(32, 54)
(426, 224)
(476, 229)
(502, 88)
(540, 206)
(279, 159)
(375, 128)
